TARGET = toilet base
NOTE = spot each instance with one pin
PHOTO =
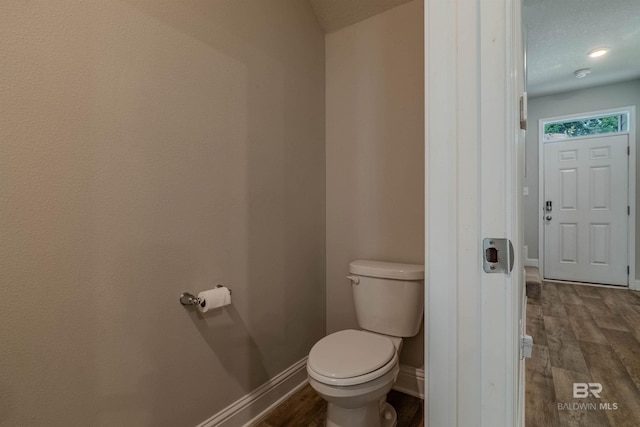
(375, 414)
(390, 420)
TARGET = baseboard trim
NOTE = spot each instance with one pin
(595, 285)
(636, 286)
(255, 405)
(410, 381)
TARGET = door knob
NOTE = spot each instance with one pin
(548, 218)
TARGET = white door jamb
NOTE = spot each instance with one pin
(472, 334)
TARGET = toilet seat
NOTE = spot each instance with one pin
(351, 357)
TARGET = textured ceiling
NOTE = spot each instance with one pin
(336, 14)
(560, 33)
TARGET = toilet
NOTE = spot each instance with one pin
(353, 370)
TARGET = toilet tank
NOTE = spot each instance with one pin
(388, 297)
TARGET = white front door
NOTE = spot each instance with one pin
(585, 212)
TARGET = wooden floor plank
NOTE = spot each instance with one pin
(410, 410)
(535, 328)
(563, 381)
(612, 297)
(569, 295)
(631, 315)
(604, 316)
(535, 324)
(583, 325)
(303, 408)
(551, 302)
(627, 348)
(534, 310)
(588, 291)
(564, 351)
(618, 388)
(631, 297)
(306, 408)
(596, 341)
(540, 398)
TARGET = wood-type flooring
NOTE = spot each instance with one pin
(583, 334)
(306, 409)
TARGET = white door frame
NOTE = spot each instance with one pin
(631, 251)
(473, 158)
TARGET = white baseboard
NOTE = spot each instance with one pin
(595, 285)
(635, 285)
(410, 381)
(250, 408)
(256, 404)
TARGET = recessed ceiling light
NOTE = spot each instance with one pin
(598, 52)
(582, 73)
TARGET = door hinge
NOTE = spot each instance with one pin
(628, 150)
(523, 111)
(628, 210)
(526, 346)
(628, 270)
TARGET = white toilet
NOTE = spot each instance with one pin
(354, 370)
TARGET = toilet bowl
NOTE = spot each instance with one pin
(353, 370)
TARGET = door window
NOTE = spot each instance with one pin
(585, 126)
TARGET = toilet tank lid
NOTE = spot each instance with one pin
(387, 270)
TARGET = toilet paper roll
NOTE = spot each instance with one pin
(214, 298)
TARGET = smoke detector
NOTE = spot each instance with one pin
(582, 73)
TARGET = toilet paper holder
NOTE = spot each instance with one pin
(189, 299)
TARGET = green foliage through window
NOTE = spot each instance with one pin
(591, 126)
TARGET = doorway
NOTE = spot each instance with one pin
(587, 188)
(585, 210)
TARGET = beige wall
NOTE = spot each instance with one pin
(375, 153)
(151, 147)
(580, 101)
